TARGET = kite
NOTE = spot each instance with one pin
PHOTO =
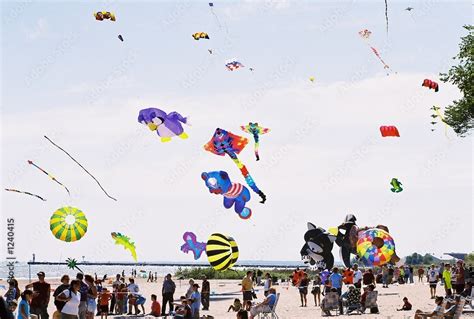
(23, 192)
(200, 35)
(120, 37)
(235, 194)
(409, 9)
(375, 247)
(389, 131)
(365, 34)
(104, 15)
(317, 248)
(72, 264)
(222, 251)
(95, 179)
(222, 143)
(437, 114)
(211, 6)
(165, 125)
(210, 51)
(125, 242)
(233, 64)
(251, 69)
(430, 84)
(68, 224)
(386, 15)
(311, 78)
(396, 185)
(255, 130)
(49, 175)
(191, 244)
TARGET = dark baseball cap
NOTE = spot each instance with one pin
(41, 273)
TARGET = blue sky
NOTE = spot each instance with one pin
(67, 75)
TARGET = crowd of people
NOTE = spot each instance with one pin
(85, 297)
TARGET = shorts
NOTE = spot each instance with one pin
(433, 284)
(316, 290)
(247, 295)
(303, 291)
(104, 308)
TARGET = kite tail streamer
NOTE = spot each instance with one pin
(27, 193)
(50, 176)
(248, 178)
(436, 109)
(255, 136)
(386, 15)
(98, 183)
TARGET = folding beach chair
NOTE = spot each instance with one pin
(272, 313)
(459, 308)
(352, 304)
(371, 301)
(331, 303)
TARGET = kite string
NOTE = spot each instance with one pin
(98, 183)
(386, 15)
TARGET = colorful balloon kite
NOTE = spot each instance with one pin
(389, 131)
(191, 244)
(95, 179)
(430, 84)
(24, 192)
(222, 251)
(49, 175)
(375, 247)
(165, 125)
(125, 242)
(235, 194)
(68, 224)
(317, 249)
(200, 35)
(233, 64)
(255, 130)
(396, 185)
(222, 143)
(104, 15)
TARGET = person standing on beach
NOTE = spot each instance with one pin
(247, 287)
(421, 273)
(24, 309)
(267, 284)
(390, 275)
(167, 291)
(448, 286)
(259, 277)
(460, 277)
(433, 277)
(72, 300)
(303, 289)
(41, 295)
(83, 293)
(91, 296)
(336, 282)
(357, 276)
(384, 276)
(205, 293)
(195, 301)
(115, 288)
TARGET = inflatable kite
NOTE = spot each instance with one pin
(235, 194)
(126, 243)
(104, 15)
(200, 35)
(95, 179)
(396, 185)
(165, 125)
(222, 143)
(255, 130)
(389, 131)
(346, 238)
(191, 244)
(375, 247)
(72, 264)
(317, 249)
(222, 251)
(430, 85)
(24, 192)
(68, 224)
(233, 64)
(49, 175)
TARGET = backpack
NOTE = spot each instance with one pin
(60, 304)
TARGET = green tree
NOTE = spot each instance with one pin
(469, 259)
(427, 259)
(460, 115)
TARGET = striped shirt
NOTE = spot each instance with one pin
(234, 191)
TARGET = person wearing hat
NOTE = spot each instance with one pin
(195, 301)
(205, 293)
(41, 296)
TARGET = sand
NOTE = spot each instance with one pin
(289, 305)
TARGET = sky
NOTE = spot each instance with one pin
(68, 76)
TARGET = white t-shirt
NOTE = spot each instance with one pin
(357, 276)
(267, 284)
(432, 274)
(133, 288)
(72, 306)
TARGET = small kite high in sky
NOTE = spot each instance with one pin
(389, 131)
(432, 85)
(165, 125)
(125, 242)
(222, 143)
(233, 64)
(396, 185)
(365, 34)
(200, 35)
(256, 131)
(104, 15)
(191, 244)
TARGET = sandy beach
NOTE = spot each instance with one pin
(289, 305)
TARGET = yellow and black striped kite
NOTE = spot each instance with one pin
(222, 251)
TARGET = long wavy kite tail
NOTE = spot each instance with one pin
(256, 151)
(26, 193)
(249, 180)
(95, 179)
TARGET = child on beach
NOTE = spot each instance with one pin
(248, 305)
(436, 313)
(406, 305)
(104, 303)
(24, 307)
(10, 295)
(155, 307)
(316, 291)
(236, 306)
(303, 289)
